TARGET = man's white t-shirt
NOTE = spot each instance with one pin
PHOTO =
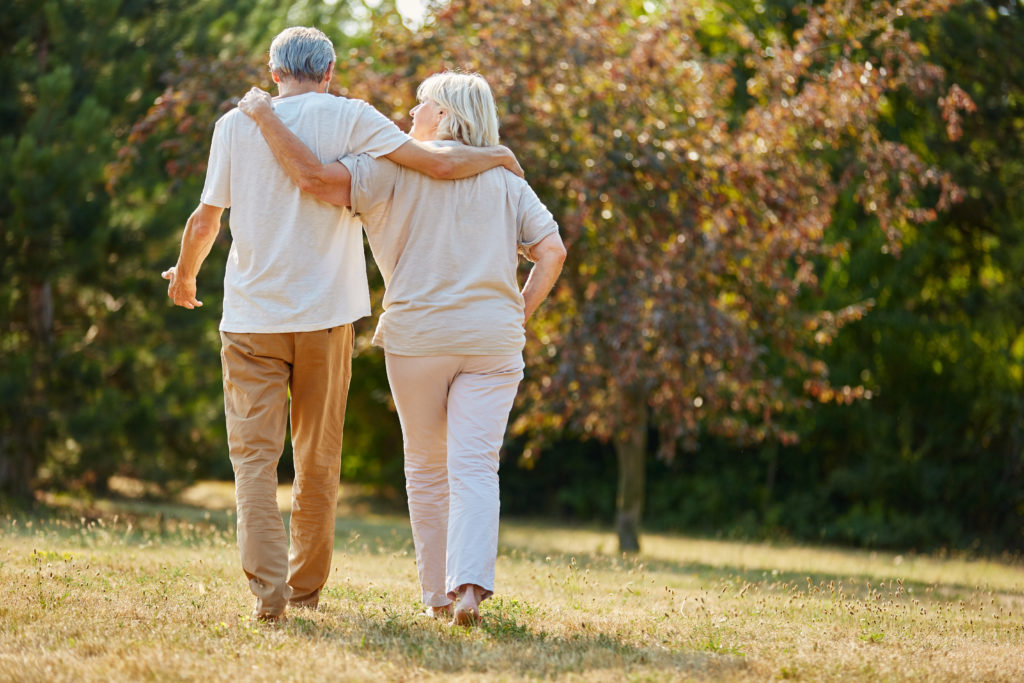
(296, 264)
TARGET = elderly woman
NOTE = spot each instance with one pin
(453, 322)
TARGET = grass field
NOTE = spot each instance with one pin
(134, 591)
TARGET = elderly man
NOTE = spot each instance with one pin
(295, 283)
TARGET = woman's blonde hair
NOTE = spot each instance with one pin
(471, 116)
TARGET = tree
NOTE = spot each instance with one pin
(60, 301)
(694, 166)
(694, 206)
(98, 375)
(936, 458)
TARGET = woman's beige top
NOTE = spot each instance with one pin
(448, 251)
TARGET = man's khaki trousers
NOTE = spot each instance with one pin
(260, 372)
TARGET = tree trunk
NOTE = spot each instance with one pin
(40, 302)
(631, 450)
(23, 450)
(16, 472)
(769, 481)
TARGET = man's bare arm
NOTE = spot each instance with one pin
(548, 256)
(454, 161)
(197, 240)
(329, 183)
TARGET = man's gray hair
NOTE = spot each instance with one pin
(302, 53)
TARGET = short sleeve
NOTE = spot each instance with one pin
(375, 134)
(373, 182)
(217, 188)
(534, 220)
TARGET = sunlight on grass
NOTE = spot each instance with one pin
(138, 591)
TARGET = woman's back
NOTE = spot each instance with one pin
(448, 253)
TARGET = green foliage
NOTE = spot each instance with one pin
(99, 374)
(937, 455)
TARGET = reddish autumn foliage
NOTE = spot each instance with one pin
(695, 206)
(694, 167)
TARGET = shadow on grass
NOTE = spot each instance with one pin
(135, 522)
(853, 584)
(504, 644)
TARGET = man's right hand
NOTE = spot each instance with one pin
(181, 290)
(256, 103)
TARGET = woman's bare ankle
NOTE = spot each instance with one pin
(467, 606)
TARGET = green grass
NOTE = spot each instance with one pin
(137, 591)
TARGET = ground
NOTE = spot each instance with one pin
(134, 591)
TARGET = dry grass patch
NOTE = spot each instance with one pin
(144, 592)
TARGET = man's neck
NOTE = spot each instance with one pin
(291, 87)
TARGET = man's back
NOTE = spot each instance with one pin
(296, 264)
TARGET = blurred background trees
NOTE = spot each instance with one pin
(774, 320)
(97, 376)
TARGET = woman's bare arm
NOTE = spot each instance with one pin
(454, 161)
(548, 256)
